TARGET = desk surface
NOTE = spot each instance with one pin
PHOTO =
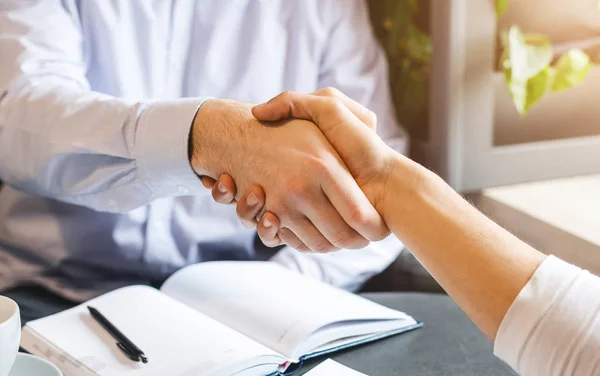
(557, 217)
(570, 204)
(449, 344)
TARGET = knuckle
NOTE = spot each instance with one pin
(295, 220)
(300, 188)
(286, 95)
(323, 246)
(302, 248)
(357, 217)
(349, 240)
(372, 118)
(336, 104)
(318, 165)
(285, 234)
(290, 239)
(281, 211)
(330, 92)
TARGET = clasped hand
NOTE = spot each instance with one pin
(350, 142)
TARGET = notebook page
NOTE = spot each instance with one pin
(177, 340)
(268, 303)
(332, 368)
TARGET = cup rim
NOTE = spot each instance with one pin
(15, 310)
(38, 358)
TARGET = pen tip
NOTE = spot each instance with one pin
(144, 359)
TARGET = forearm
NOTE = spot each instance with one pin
(65, 142)
(481, 266)
(61, 139)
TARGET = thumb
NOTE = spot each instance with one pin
(278, 108)
(281, 107)
(344, 130)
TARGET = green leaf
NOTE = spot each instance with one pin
(526, 64)
(525, 96)
(571, 69)
(501, 6)
(537, 87)
(527, 55)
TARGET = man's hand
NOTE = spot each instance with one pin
(350, 129)
(308, 187)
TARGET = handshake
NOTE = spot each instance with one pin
(312, 169)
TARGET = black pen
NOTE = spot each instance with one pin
(129, 348)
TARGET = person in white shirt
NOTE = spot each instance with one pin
(109, 109)
(542, 314)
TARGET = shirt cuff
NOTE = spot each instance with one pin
(545, 288)
(161, 148)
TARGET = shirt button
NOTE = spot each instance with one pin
(183, 190)
(112, 203)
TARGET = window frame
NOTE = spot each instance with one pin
(462, 105)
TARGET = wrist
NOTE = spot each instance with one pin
(218, 137)
(400, 182)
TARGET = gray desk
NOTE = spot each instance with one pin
(448, 345)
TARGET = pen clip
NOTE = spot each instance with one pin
(128, 353)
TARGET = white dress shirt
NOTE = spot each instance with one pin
(97, 98)
(553, 327)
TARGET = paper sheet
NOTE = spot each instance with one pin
(177, 340)
(270, 304)
(332, 368)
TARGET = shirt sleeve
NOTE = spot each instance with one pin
(60, 139)
(355, 63)
(553, 326)
(346, 269)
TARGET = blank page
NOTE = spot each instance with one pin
(332, 368)
(176, 339)
(275, 306)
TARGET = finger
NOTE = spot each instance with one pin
(207, 182)
(224, 190)
(329, 114)
(333, 118)
(289, 238)
(350, 202)
(249, 206)
(364, 114)
(308, 234)
(267, 228)
(331, 225)
(296, 105)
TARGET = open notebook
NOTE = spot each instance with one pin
(217, 319)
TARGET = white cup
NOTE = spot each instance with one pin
(10, 334)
